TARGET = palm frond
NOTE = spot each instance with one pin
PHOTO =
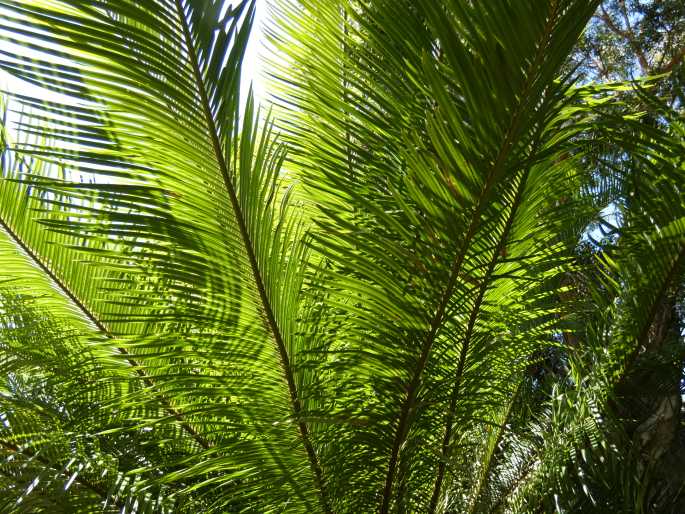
(430, 167)
(180, 243)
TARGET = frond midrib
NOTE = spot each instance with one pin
(90, 316)
(249, 249)
(473, 316)
(402, 429)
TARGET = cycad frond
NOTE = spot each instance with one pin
(180, 241)
(432, 160)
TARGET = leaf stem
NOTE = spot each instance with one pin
(412, 389)
(249, 248)
(473, 316)
(35, 258)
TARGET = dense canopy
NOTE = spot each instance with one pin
(442, 271)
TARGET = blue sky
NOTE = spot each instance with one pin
(252, 64)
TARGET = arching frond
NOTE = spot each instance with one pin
(162, 216)
(433, 160)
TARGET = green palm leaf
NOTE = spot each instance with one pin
(432, 184)
(370, 300)
(195, 260)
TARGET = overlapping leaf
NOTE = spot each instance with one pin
(163, 216)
